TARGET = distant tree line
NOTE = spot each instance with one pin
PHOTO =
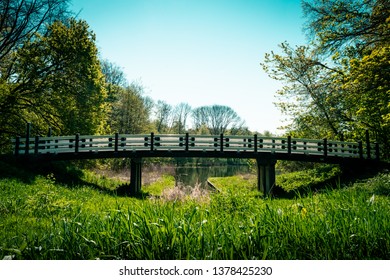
(51, 75)
(132, 111)
(338, 86)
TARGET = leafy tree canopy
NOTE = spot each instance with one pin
(338, 86)
(55, 81)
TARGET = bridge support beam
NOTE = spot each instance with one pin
(135, 175)
(265, 175)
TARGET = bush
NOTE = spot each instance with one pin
(381, 184)
(307, 178)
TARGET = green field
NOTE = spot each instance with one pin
(46, 217)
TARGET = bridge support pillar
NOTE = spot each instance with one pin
(135, 175)
(265, 175)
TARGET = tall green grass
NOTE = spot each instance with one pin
(44, 219)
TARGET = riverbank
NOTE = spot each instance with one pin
(42, 217)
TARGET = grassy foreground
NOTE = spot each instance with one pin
(41, 218)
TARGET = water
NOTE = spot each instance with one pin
(198, 175)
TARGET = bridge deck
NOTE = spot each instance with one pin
(151, 145)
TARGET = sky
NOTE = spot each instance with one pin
(201, 52)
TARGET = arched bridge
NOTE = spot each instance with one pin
(266, 150)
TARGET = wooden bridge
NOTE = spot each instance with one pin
(266, 150)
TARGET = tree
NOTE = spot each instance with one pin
(163, 115)
(357, 34)
(217, 118)
(115, 84)
(115, 79)
(200, 117)
(350, 26)
(21, 20)
(79, 78)
(339, 86)
(311, 94)
(221, 118)
(56, 81)
(180, 116)
(368, 87)
(240, 128)
(130, 115)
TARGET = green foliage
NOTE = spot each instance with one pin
(338, 86)
(380, 184)
(129, 113)
(369, 94)
(67, 58)
(163, 112)
(311, 94)
(56, 82)
(347, 26)
(307, 178)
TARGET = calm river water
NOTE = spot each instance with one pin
(198, 174)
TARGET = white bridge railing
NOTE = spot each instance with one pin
(187, 143)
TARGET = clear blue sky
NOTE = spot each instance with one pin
(201, 52)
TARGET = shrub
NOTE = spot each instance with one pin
(381, 184)
(307, 178)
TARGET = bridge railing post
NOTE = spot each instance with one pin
(17, 145)
(49, 133)
(28, 132)
(116, 142)
(368, 145)
(255, 140)
(289, 144)
(360, 147)
(325, 144)
(36, 144)
(221, 143)
(110, 139)
(151, 141)
(76, 144)
(186, 142)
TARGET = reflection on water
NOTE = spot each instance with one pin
(194, 175)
